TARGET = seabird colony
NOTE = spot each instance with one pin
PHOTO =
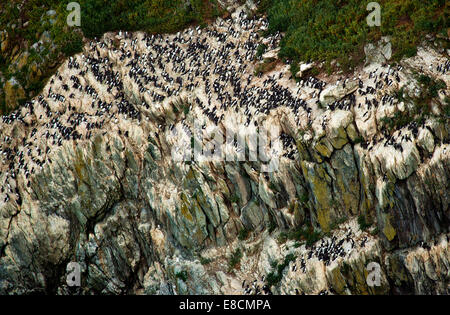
(123, 75)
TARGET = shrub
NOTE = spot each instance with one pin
(243, 234)
(282, 238)
(97, 17)
(337, 29)
(275, 276)
(358, 139)
(311, 236)
(100, 16)
(447, 107)
(375, 231)
(338, 222)
(235, 259)
(260, 50)
(363, 224)
(306, 234)
(431, 86)
(304, 198)
(234, 198)
(272, 225)
(400, 94)
(205, 261)
(272, 186)
(186, 109)
(183, 275)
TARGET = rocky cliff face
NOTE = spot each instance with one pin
(90, 173)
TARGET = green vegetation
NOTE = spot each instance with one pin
(272, 225)
(25, 25)
(275, 276)
(183, 275)
(375, 231)
(266, 66)
(338, 222)
(26, 22)
(400, 94)
(447, 107)
(346, 268)
(283, 237)
(175, 109)
(358, 139)
(234, 260)
(398, 121)
(306, 234)
(243, 234)
(205, 261)
(430, 86)
(309, 235)
(337, 29)
(272, 186)
(292, 206)
(100, 16)
(153, 16)
(323, 30)
(363, 223)
(260, 50)
(234, 198)
(420, 108)
(304, 198)
(186, 109)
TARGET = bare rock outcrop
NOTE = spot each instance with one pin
(100, 169)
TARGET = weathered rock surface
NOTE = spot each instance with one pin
(140, 221)
(13, 93)
(380, 52)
